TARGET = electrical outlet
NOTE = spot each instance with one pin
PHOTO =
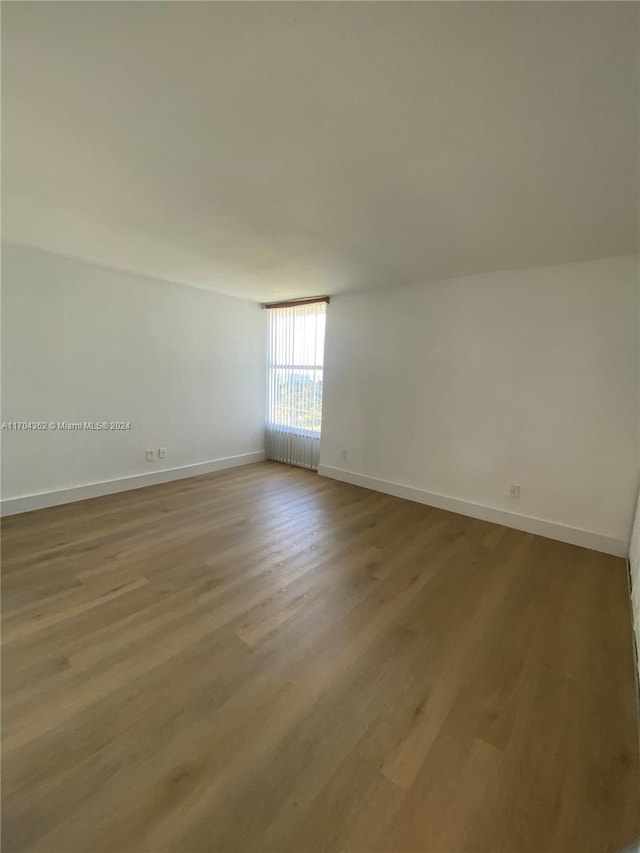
(343, 453)
(162, 453)
(514, 491)
(149, 455)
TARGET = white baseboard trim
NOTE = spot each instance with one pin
(25, 503)
(529, 524)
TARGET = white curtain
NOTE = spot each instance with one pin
(294, 386)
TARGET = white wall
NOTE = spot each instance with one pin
(82, 342)
(634, 560)
(634, 548)
(463, 387)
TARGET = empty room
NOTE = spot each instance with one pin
(320, 443)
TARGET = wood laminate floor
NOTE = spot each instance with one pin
(266, 660)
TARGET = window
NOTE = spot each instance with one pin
(294, 387)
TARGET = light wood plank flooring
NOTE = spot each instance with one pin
(266, 660)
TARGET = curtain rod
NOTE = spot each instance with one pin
(292, 303)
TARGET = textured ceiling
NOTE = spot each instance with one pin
(274, 150)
